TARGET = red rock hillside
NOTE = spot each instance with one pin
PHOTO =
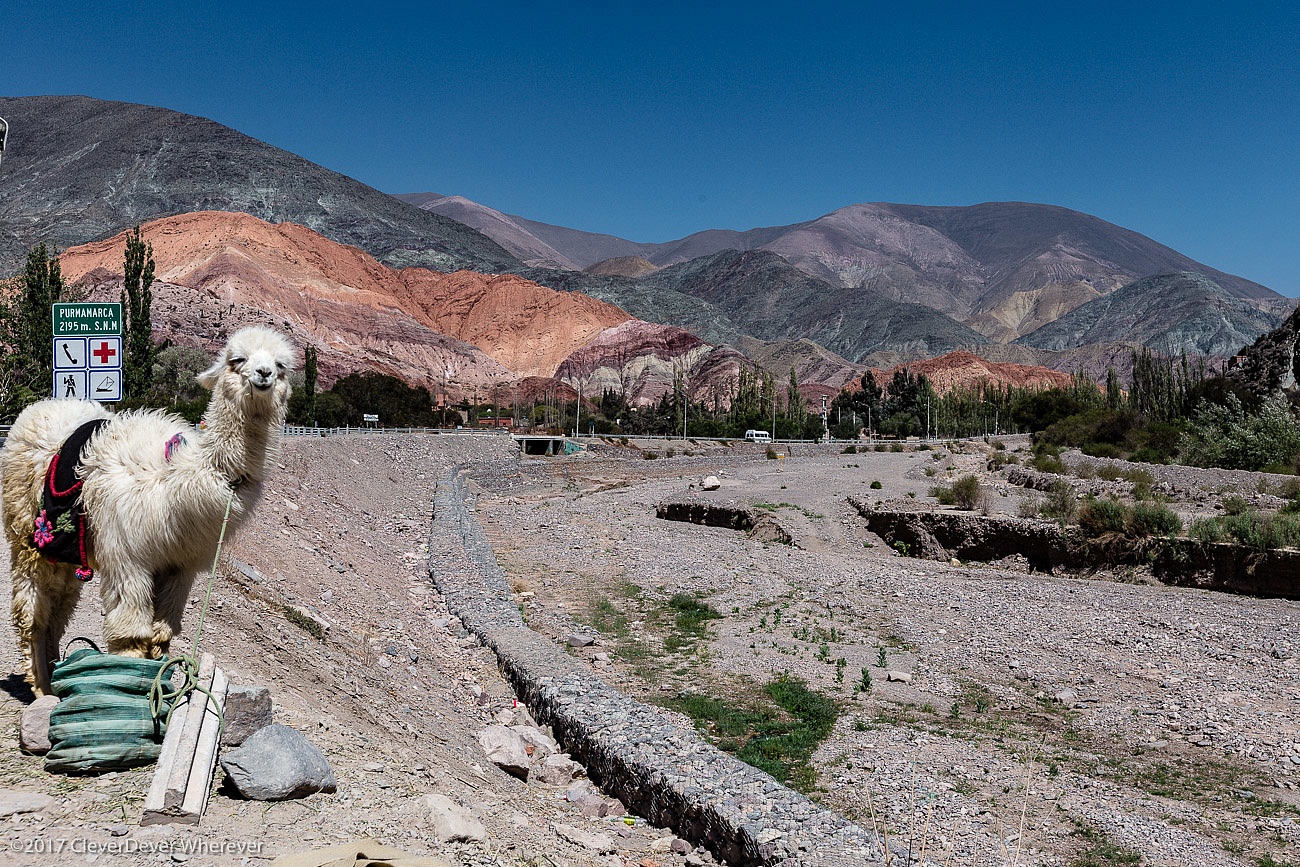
(347, 302)
(964, 370)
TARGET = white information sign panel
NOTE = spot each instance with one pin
(88, 366)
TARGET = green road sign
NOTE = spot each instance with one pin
(88, 319)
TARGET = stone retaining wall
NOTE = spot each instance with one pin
(660, 769)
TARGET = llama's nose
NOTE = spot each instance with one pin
(265, 372)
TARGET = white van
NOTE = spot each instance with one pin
(757, 436)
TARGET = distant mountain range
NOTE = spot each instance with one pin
(871, 284)
(78, 169)
(1004, 269)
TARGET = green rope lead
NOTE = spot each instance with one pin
(160, 697)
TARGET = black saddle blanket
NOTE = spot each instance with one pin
(60, 532)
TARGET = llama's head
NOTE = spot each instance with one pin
(253, 368)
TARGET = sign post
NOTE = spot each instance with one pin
(88, 351)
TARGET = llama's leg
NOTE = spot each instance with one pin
(44, 596)
(64, 593)
(127, 594)
(171, 590)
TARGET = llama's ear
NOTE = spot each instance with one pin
(208, 378)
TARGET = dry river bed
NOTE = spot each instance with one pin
(1029, 718)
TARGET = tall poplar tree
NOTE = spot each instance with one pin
(309, 384)
(137, 324)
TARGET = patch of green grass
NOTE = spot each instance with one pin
(1102, 851)
(775, 731)
(305, 623)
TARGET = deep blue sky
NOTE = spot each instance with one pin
(655, 120)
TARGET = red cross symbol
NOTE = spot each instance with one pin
(104, 353)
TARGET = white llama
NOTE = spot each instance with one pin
(154, 492)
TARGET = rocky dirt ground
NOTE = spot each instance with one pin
(395, 695)
(1012, 718)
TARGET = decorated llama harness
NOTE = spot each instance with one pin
(60, 531)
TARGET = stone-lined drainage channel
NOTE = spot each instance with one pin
(660, 769)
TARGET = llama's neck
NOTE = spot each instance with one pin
(240, 438)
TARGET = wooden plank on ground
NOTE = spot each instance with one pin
(166, 797)
(205, 754)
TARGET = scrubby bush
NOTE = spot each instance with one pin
(850, 450)
(1060, 503)
(1252, 529)
(1110, 473)
(1029, 506)
(1153, 519)
(1236, 505)
(875, 485)
(944, 495)
(1208, 530)
(967, 492)
(1225, 435)
(1047, 459)
(881, 447)
(1102, 450)
(1085, 470)
(1098, 517)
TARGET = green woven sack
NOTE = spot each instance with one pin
(103, 721)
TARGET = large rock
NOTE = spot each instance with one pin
(601, 844)
(505, 749)
(451, 822)
(278, 763)
(247, 711)
(17, 801)
(34, 729)
(711, 483)
(537, 743)
(557, 770)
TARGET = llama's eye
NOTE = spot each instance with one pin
(279, 366)
(237, 360)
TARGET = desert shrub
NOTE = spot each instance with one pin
(875, 485)
(1029, 506)
(999, 445)
(896, 447)
(1207, 530)
(649, 456)
(1098, 517)
(881, 447)
(1226, 435)
(1280, 530)
(1085, 470)
(967, 492)
(1102, 450)
(1245, 528)
(1047, 459)
(1060, 503)
(1236, 505)
(1142, 482)
(1153, 519)
(944, 495)
(850, 450)
(1110, 473)
(771, 453)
